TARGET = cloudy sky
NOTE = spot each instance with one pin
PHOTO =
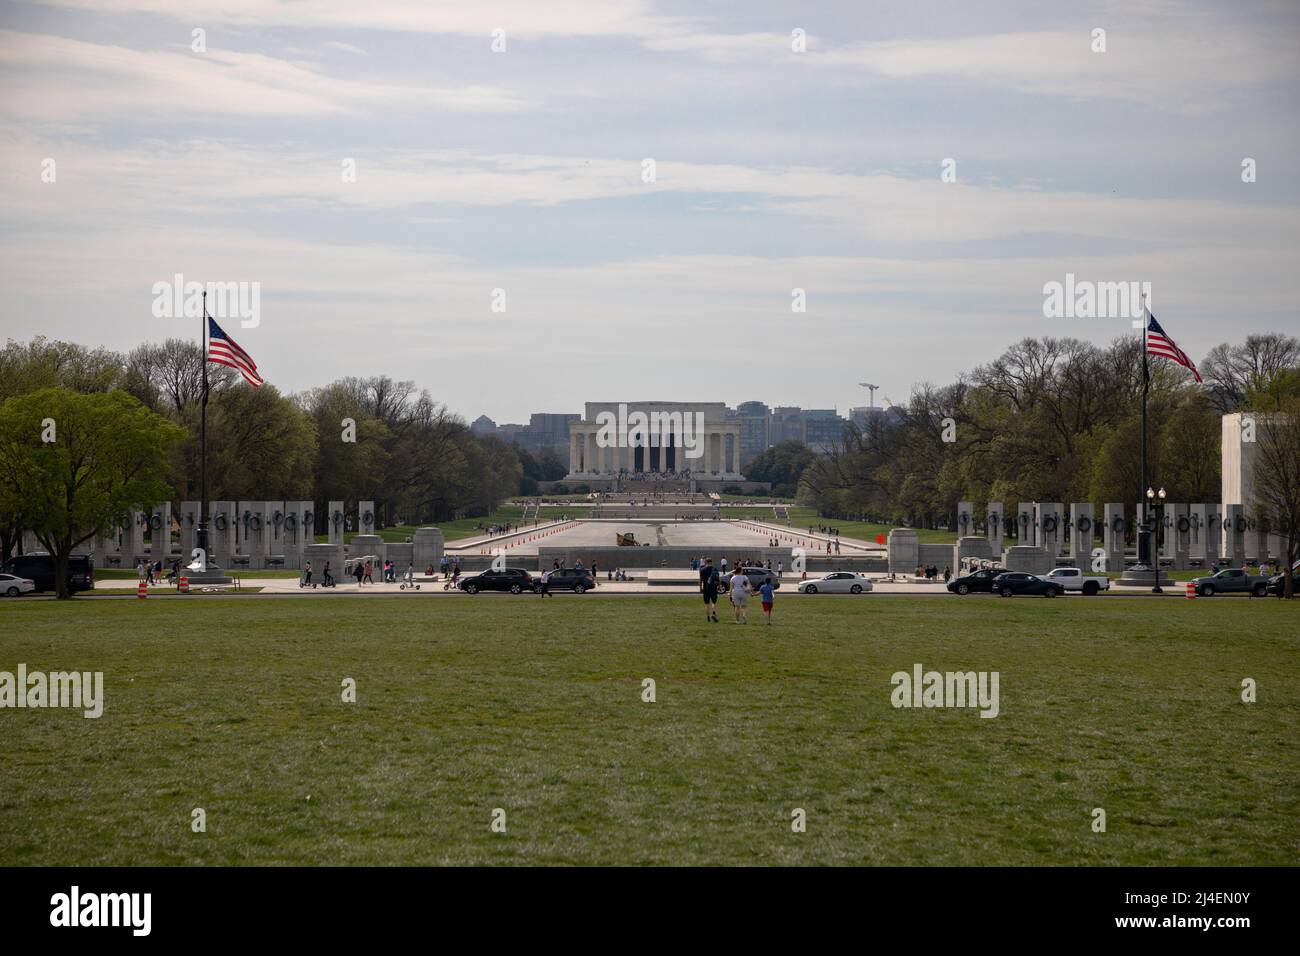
(522, 170)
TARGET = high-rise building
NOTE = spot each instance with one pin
(755, 429)
(823, 429)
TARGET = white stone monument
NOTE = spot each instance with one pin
(994, 528)
(1113, 536)
(1082, 531)
(334, 522)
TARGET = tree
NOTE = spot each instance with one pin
(1277, 479)
(781, 466)
(1233, 371)
(108, 456)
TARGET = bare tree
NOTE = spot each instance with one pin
(1277, 479)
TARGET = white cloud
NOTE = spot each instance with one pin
(56, 79)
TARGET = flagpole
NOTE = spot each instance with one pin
(1144, 536)
(203, 442)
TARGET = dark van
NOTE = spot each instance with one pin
(40, 568)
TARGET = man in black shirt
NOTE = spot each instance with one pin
(709, 588)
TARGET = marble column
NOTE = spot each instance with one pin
(1213, 534)
(1081, 535)
(994, 528)
(1113, 536)
(1234, 524)
(573, 452)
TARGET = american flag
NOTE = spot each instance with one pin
(1158, 343)
(223, 350)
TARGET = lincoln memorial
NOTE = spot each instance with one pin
(692, 440)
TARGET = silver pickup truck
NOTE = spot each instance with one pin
(1072, 579)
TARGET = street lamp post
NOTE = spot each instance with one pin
(1156, 500)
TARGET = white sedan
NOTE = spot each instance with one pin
(837, 582)
(12, 586)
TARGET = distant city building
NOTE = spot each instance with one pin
(755, 430)
(757, 427)
(823, 429)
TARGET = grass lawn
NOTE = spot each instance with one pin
(466, 705)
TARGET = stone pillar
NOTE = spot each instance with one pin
(189, 521)
(965, 520)
(334, 519)
(573, 452)
(1178, 533)
(1048, 530)
(1081, 535)
(735, 453)
(903, 550)
(160, 532)
(1024, 520)
(273, 513)
(1113, 536)
(994, 523)
(1234, 523)
(319, 555)
(1251, 538)
(1213, 534)
(221, 532)
(970, 550)
(135, 536)
(1196, 533)
(428, 547)
(252, 528)
(366, 517)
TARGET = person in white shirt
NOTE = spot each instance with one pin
(738, 591)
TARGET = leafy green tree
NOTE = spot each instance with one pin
(72, 463)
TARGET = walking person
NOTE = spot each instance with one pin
(709, 589)
(546, 583)
(947, 573)
(738, 591)
(768, 593)
(410, 575)
(360, 572)
(369, 568)
(328, 578)
(306, 575)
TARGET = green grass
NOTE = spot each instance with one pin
(469, 704)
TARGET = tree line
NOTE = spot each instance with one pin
(356, 438)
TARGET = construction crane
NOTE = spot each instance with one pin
(872, 389)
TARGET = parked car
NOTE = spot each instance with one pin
(11, 585)
(1072, 579)
(837, 582)
(1019, 582)
(1231, 581)
(975, 582)
(39, 569)
(567, 579)
(514, 580)
(757, 577)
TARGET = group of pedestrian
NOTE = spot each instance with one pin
(931, 572)
(739, 589)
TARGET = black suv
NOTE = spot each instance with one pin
(514, 580)
(976, 581)
(567, 579)
(757, 577)
(40, 569)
